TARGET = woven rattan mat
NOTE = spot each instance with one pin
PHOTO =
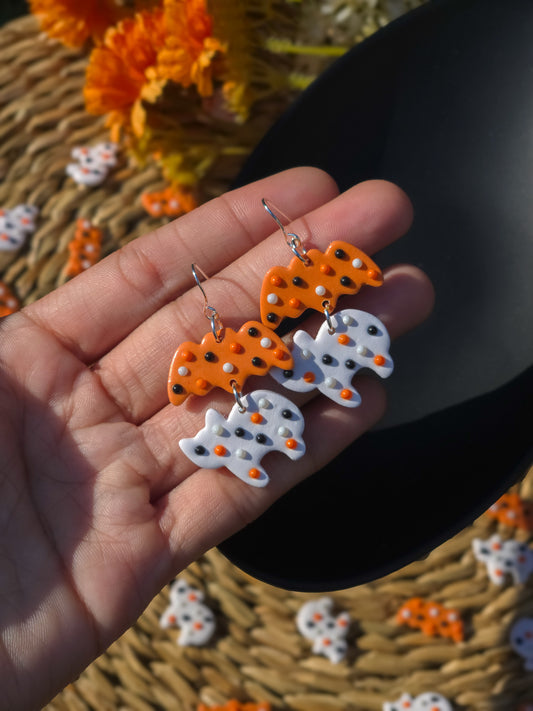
(257, 653)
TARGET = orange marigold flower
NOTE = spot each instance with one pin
(74, 22)
(190, 50)
(116, 73)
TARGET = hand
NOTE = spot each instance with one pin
(99, 508)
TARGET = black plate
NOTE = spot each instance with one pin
(440, 102)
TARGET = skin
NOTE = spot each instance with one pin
(99, 507)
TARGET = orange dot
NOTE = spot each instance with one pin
(235, 347)
(279, 353)
(295, 303)
(201, 384)
(379, 360)
(309, 377)
(254, 473)
(291, 444)
(186, 355)
(325, 269)
(346, 394)
(343, 339)
(326, 642)
(172, 619)
(317, 617)
(256, 417)
(372, 274)
(198, 626)
(220, 450)
(275, 280)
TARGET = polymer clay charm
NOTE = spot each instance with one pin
(513, 511)
(521, 638)
(431, 618)
(315, 621)
(171, 202)
(270, 422)
(15, 225)
(429, 701)
(84, 249)
(93, 163)
(8, 301)
(225, 363)
(504, 558)
(329, 361)
(315, 280)
(188, 612)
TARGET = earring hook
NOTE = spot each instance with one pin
(295, 243)
(209, 311)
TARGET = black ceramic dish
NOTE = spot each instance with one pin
(440, 102)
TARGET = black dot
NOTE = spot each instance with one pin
(310, 624)
(340, 254)
(272, 317)
(287, 414)
(199, 449)
(372, 330)
(519, 641)
(252, 331)
(346, 281)
(177, 389)
(327, 359)
(261, 438)
(350, 364)
(240, 432)
(257, 362)
(297, 281)
(288, 373)
(210, 356)
(186, 618)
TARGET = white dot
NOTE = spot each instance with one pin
(283, 431)
(266, 342)
(360, 350)
(320, 290)
(433, 612)
(347, 320)
(241, 453)
(357, 263)
(228, 367)
(217, 429)
(11, 303)
(264, 403)
(272, 299)
(182, 370)
(330, 382)
(306, 354)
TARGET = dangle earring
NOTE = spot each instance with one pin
(260, 421)
(348, 340)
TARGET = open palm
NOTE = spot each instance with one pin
(98, 506)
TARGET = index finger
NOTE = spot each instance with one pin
(98, 309)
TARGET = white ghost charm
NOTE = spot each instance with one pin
(316, 622)
(429, 701)
(15, 225)
(522, 640)
(188, 612)
(329, 361)
(271, 422)
(92, 163)
(504, 558)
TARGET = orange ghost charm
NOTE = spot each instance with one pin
(513, 511)
(225, 363)
(315, 282)
(432, 618)
(84, 249)
(8, 301)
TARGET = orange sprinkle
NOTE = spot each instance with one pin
(309, 377)
(254, 473)
(186, 355)
(325, 269)
(343, 339)
(317, 617)
(235, 347)
(291, 444)
(220, 450)
(372, 274)
(326, 642)
(201, 383)
(198, 626)
(172, 619)
(256, 417)
(379, 360)
(275, 280)
(279, 354)
(295, 303)
(346, 394)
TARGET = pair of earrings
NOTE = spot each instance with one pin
(264, 421)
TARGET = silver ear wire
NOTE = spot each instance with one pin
(209, 311)
(292, 239)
